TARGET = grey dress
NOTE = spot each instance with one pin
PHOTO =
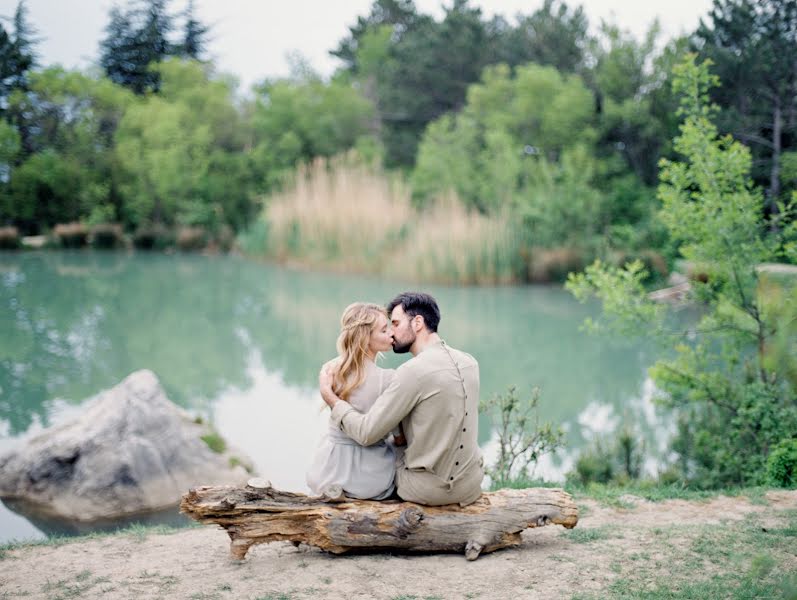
(362, 471)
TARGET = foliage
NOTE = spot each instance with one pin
(215, 442)
(296, 120)
(734, 403)
(615, 461)
(751, 44)
(179, 149)
(782, 464)
(522, 440)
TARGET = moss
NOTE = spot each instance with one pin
(215, 442)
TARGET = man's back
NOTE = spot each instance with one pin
(442, 463)
(435, 396)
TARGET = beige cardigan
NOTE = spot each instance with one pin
(435, 396)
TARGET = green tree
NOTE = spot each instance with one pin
(554, 35)
(70, 171)
(194, 34)
(509, 130)
(296, 120)
(135, 39)
(733, 400)
(388, 14)
(753, 45)
(182, 152)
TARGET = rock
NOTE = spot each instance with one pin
(131, 450)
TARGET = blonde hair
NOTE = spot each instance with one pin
(356, 325)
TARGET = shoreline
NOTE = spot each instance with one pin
(688, 548)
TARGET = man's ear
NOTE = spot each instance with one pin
(418, 323)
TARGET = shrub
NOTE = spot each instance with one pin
(71, 235)
(782, 464)
(547, 265)
(152, 237)
(224, 239)
(106, 235)
(215, 442)
(192, 238)
(9, 238)
(522, 440)
(617, 460)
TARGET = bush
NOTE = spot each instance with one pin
(654, 263)
(192, 238)
(152, 237)
(215, 442)
(522, 440)
(106, 235)
(782, 464)
(547, 265)
(71, 235)
(9, 238)
(614, 461)
(224, 239)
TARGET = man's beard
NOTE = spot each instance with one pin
(402, 347)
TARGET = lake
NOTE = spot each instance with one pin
(240, 343)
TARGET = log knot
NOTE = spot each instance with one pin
(409, 520)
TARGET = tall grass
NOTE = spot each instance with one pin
(344, 216)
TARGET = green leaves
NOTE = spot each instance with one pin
(733, 382)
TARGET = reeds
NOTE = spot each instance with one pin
(343, 216)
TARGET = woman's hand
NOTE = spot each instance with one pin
(325, 379)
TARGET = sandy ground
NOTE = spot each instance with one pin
(551, 563)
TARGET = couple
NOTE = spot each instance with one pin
(430, 404)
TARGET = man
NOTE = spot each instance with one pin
(435, 397)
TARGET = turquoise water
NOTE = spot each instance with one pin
(240, 343)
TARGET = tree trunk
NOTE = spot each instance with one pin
(774, 176)
(256, 515)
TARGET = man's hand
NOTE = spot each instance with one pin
(325, 385)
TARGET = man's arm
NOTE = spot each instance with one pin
(389, 409)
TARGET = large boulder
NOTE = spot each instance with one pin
(131, 450)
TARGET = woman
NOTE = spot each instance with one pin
(362, 472)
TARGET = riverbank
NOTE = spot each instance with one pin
(624, 547)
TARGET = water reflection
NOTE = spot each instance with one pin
(241, 343)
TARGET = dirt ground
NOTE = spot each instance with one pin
(642, 540)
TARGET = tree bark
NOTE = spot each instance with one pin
(258, 515)
(774, 176)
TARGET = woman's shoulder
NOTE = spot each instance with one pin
(383, 376)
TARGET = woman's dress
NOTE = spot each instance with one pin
(362, 471)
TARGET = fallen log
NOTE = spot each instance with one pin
(258, 513)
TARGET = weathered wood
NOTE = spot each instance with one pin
(254, 515)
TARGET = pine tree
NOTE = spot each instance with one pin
(135, 39)
(194, 40)
(24, 42)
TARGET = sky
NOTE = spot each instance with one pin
(253, 39)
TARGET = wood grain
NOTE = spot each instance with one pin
(255, 515)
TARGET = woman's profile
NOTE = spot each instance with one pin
(362, 472)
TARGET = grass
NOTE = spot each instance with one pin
(347, 217)
(215, 442)
(583, 535)
(63, 589)
(613, 495)
(739, 560)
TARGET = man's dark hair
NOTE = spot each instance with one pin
(418, 303)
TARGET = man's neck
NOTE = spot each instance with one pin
(423, 341)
